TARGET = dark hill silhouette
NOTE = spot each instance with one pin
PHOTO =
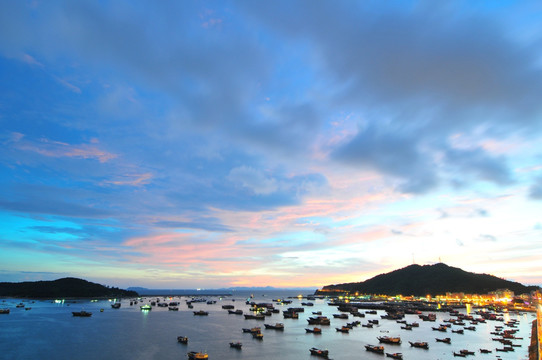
(61, 288)
(432, 280)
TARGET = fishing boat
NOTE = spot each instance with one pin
(445, 340)
(81, 313)
(4, 311)
(236, 345)
(277, 326)
(201, 313)
(254, 317)
(419, 344)
(389, 340)
(318, 320)
(395, 355)
(379, 349)
(193, 355)
(252, 330)
(319, 352)
(316, 330)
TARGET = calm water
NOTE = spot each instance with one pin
(49, 331)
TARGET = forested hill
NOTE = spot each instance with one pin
(61, 288)
(432, 280)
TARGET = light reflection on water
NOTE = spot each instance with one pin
(49, 331)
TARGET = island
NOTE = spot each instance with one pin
(423, 280)
(62, 288)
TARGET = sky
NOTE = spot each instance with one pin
(207, 144)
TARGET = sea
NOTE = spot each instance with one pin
(46, 329)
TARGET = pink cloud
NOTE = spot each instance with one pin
(59, 149)
(131, 179)
(31, 60)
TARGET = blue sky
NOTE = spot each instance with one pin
(208, 144)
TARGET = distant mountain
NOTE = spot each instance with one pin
(61, 288)
(432, 280)
(217, 291)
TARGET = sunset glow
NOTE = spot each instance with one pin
(292, 144)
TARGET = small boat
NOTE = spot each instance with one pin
(445, 340)
(466, 352)
(340, 316)
(319, 352)
(290, 315)
(343, 329)
(419, 344)
(173, 308)
(228, 307)
(318, 320)
(81, 313)
(236, 312)
(116, 305)
(485, 351)
(277, 326)
(395, 355)
(145, 307)
(460, 331)
(389, 340)
(459, 354)
(316, 330)
(254, 317)
(317, 313)
(406, 327)
(379, 349)
(252, 330)
(201, 313)
(236, 345)
(4, 311)
(192, 355)
(182, 339)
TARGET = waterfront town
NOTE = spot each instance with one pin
(502, 299)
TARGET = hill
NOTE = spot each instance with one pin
(432, 280)
(61, 288)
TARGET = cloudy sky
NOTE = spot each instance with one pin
(285, 143)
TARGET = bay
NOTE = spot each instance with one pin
(49, 331)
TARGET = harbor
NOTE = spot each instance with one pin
(128, 332)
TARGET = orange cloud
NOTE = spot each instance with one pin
(59, 149)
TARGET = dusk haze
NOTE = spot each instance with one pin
(291, 144)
